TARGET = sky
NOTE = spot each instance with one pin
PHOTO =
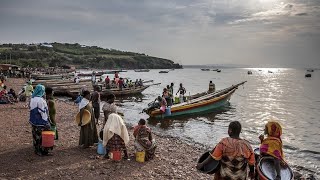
(259, 33)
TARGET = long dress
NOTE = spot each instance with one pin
(144, 141)
(88, 132)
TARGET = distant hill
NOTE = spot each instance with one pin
(81, 56)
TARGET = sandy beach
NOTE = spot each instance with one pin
(174, 159)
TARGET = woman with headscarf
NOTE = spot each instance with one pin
(144, 140)
(115, 135)
(88, 132)
(39, 119)
(272, 145)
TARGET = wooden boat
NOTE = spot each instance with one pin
(204, 69)
(141, 70)
(310, 70)
(219, 70)
(116, 91)
(200, 104)
(163, 71)
(47, 77)
(308, 75)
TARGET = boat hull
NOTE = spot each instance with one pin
(199, 107)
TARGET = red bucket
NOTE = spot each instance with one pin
(47, 138)
(115, 155)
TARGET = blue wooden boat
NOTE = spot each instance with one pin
(204, 103)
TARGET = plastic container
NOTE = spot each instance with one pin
(168, 111)
(100, 149)
(176, 100)
(115, 155)
(47, 138)
(140, 156)
(162, 108)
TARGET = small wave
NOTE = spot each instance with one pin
(309, 151)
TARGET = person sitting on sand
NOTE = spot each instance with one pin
(88, 132)
(272, 145)
(115, 135)
(212, 87)
(13, 95)
(39, 119)
(235, 155)
(144, 140)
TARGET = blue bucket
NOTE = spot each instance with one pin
(168, 111)
(101, 150)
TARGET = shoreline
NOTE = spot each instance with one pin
(175, 159)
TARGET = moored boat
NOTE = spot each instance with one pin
(205, 69)
(200, 104)
(141, 70)
(163, 71)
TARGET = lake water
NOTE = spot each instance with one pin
(284, 94)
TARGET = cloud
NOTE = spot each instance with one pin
(205, 30)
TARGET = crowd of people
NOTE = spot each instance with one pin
(113, 131)
(235, 154)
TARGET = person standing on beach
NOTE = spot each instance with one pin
(235, 156)
(95, 98)
(28, 93)
(88, 132)
(272, 145)
(109, 107)
(52, 109)
(39, 119)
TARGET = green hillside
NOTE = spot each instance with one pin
(59, 54)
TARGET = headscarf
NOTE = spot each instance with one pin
(274, 129)
(272, 145)
(39, 91)
(115, 125)
(83, 103)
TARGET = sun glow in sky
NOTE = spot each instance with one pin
(264, 33)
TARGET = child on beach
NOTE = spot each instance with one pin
(272, 145)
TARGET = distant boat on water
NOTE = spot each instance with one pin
(163, 71)
(249, 72)
(270, 72)
(308, 75)
(219, 70)
(141, 70)
(310, 70)
(204, 69)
